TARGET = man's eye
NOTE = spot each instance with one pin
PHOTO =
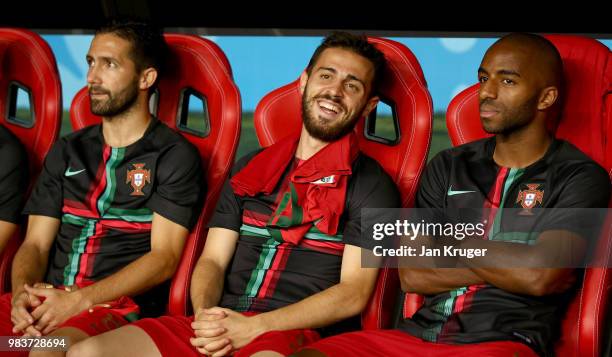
(352, 87)
(482, 79)
(508, 81)
(325, 76)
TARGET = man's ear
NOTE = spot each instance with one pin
(370, 105)
(548, 97)
(147, 79)
(303, 81)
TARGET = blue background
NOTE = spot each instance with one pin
(263, 63)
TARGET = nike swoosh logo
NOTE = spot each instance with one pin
(452, 193)
(72, 173)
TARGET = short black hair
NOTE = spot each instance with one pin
(149, 48)
(356, 43)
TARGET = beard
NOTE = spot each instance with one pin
(511, 119)
(116, 103)
(322, 129)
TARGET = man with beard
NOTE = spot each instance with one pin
(282, 257)
(494, 297)
(112, 208)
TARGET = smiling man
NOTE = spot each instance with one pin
(112, 208)
(282, 258)
(490, 297)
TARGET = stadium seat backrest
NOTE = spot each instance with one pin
(28, 75)
(403, 157)
(197, 73)
(586, 121)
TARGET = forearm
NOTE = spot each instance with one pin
(518, 268)
(7, 229)
(322, 309)
(206, 285)
(433, 281)
(29, 267)
(137, 277)
(420, 274)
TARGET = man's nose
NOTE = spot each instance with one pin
(336, 89)
(487, 90)
(93, 75)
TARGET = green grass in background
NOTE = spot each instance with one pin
(439, 136)
(248, 140)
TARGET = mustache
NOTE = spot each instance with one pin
(98, 90)
(487, 102)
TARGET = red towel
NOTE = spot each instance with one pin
(316, 191)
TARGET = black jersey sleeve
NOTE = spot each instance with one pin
(46, 198)
(586, 188)
(228, 212)
(180, 185)
(13, 180)
(432, 186)
(370, 187)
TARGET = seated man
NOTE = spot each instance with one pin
(112, 208)
(282, 257)
(13, 184)
(479, 302)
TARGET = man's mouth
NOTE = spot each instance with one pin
(328, 107)
(97, 95)
(97, 91)
(487, 111)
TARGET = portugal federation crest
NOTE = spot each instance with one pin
(138, 178)
(530, 197)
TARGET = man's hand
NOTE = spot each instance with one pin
(240, 330)
(207, 331)
(564, 283)
(58, 306)
(22, 303)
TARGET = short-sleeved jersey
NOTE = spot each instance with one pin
(13, 176)
(266, 274)
(467, 177)
(105, 198)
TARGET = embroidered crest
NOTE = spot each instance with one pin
(530, 197)
(137, 178)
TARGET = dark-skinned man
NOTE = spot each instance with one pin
(518, 308)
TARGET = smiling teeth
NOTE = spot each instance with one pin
(333, 108)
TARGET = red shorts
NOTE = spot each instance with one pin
(398, 343)
(171, 336)
(99, 320)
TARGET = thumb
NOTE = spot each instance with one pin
(37, 291)
(215, 311)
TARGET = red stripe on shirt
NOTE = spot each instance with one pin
(89, 254)
(323, 246)
(494, 198)
(277, 267)
(85, 213)
(99, 183)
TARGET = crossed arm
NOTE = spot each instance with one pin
(553, 248)
(219, 330)
(34, 317)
